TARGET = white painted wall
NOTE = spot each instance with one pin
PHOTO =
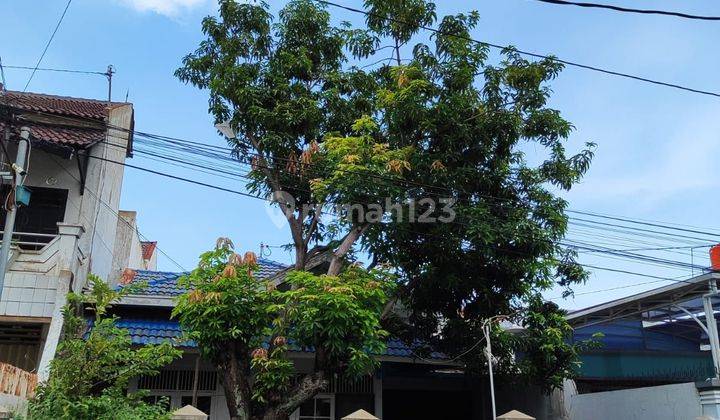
(104, 180)
(128, 250)
(667, 402)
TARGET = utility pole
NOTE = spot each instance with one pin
(488, 353)
(18, 176)
(712, 330)
(109, 74)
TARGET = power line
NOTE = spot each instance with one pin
(47, 45)
(56, 70)
(208, 168)
(630, 10)
(527, 53)
(623, 219)
(219, 188)
(178, 159)
(595, 267)
(212, 152)
(608, 251)
(627, 286)
(112, 210)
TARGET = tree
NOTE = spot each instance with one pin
(470, 125)
(90, 373)
(246, 327)
(441, 133)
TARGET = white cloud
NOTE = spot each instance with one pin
(170, 8)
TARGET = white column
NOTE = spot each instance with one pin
(709, 392)
(377, 392)
(69, 235)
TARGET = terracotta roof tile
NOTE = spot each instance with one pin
(59, 105)
(66, 133)
(63, 136)
(148, 248)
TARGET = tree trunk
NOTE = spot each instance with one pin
(235, 384)
(273, 414)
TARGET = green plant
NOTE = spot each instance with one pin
(90, 373)
(246, 327)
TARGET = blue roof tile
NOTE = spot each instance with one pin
(156, 331)
(164, 283)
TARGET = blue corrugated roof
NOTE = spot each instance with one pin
(156, 331)
(164, 283)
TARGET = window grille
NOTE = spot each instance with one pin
(179, 380)
(340, 385)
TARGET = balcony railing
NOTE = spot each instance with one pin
(30, 241)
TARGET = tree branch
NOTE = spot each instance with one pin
(348, 241)
(308, 387)
(314, 223)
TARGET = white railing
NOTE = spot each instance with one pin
(30, 240)
(46, 253)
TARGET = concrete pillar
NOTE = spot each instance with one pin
(69, 235)
(68, 250)
(709, 398)
(378, 394)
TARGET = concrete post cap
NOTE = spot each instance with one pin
(360, 415)
(70, 229)
(188, 413)
(514, 415)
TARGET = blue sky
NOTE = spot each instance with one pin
(657, 153)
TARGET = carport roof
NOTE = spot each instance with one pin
(652, 305)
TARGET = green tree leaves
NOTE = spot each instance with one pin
(90, 373)
(247, 327)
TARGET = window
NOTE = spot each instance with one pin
(155, 399)
(321, 407)
(46, 209)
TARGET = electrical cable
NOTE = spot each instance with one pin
(527, 53)
(624, 219)
(47, 45)
(266, 199)
(209, 148)
(589, 247)
(109, 207)
(56, 70)
(624, 254)
(630, 10)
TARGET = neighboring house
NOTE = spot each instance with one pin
(649, 338)
(654, 360)
(130, 251)
(405, 386)
(69, 227)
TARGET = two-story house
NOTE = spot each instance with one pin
(69, 228)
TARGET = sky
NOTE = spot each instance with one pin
(657, 154)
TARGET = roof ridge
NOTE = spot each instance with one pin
(65, 98)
